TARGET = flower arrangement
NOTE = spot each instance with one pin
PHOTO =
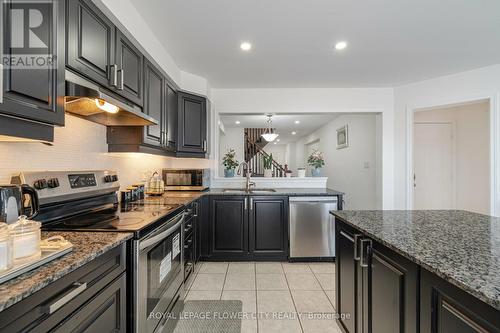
(229, 160)
(316, 159)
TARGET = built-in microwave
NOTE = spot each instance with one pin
(186, 179)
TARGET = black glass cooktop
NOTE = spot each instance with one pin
(130, 217)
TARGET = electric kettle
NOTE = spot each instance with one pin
(13, 203)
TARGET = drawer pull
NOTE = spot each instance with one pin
(78, 288)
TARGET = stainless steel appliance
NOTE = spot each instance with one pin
(88, 201)
(13, 202)
(312, 227)
(186, 179)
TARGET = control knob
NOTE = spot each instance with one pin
(53, 182)
(108, 178)
(40, 184)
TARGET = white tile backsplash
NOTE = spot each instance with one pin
(81, 145)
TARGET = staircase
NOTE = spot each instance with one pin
(254, 153)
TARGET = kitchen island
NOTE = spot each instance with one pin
(418, 271)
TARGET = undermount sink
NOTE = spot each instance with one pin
(254, 190)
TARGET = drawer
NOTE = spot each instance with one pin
(48, 307)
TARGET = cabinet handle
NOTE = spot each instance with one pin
(205, 145)
(114, 75)
(364, 255)
(246, 204)
(356, 247)
(195, 209)
(121, 74)
(77, 290)
(1, 83)
(251, 203)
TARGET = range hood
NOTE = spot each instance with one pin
(88, 100)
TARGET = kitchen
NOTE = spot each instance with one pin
(115, 144)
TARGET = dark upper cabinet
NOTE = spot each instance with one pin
(172, 119)
(445, 308)
(192, 125)
(376, 286)
(33, 92)
(130, 69)
(268, 227)
(91, 43)
(229, 227)
(154, 104)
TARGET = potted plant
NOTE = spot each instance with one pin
(230, 163)
(268, 166)
(316, 161)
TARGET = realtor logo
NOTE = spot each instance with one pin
(30, 41)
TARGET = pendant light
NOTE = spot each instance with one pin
(269, 136)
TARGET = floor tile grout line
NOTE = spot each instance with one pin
(293, 301)
(324, 292)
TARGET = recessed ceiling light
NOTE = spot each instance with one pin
(297, 121)
(245, 46)
(237, 122)
(293, 133)
(340, 45)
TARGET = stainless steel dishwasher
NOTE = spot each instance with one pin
(312, 227)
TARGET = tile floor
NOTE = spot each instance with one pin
(278, 297)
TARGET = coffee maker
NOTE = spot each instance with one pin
(13, 202)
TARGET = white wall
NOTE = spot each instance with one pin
(352, 170)
(472, 152)
(366, 100)
(81, 145)
(232, 138)
(467, 86)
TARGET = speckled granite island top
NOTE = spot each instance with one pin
(459, 246)
(86, 246)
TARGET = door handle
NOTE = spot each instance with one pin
(114, 75)
(121, 74)
(364, 254)
(78, 288)
(356, 246)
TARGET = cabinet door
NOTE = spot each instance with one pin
(105, 312)
(154, 105)
(34, 91)
(268, 227)
(229, 227)
(192, 124)
(172, 118)
(130, 69)
(392, 289)
(346, 278)
(445, 308)
(91, 42)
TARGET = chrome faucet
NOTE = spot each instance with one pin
(249, 184)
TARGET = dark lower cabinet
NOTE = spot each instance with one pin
(90, 299)
(192, 125)
(229, 227)
(248, 228)
(268, 227)
(377, 289)
(204, 228)
(445, 308)
(106, 312)
(33, 92)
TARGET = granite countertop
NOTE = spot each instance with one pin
(86, 246)
(461, 247)
(283, 191)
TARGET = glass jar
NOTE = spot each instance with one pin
(26, 237)
(5, 247)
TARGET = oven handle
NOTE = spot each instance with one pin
(162, 235)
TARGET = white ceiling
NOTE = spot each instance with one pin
(283, 123)
(391, 42)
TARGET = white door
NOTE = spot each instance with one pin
(433, 166)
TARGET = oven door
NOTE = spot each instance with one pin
(159, 274)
